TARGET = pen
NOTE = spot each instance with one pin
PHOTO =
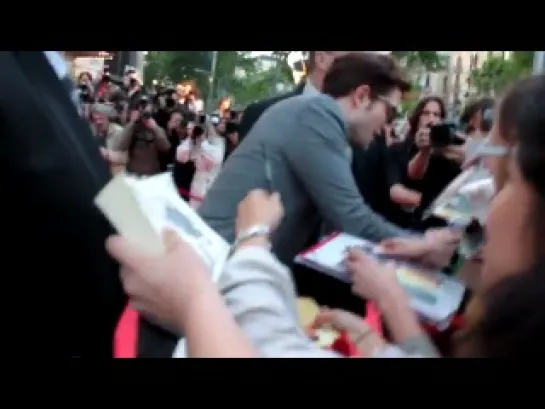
(269, 174)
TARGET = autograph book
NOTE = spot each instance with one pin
(433, 295)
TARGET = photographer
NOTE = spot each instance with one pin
(206, 149)
(144, 140)
(477, 118)
(176, 131)
(231, 138)
(133, 87)
(107, 132)
(423, 170)
(85, 96)
(165, 102)
(105, 88)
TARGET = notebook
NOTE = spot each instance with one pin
(433, 295)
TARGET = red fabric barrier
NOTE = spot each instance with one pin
(126, 335)
(188, 195)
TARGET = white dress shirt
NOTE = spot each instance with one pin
(310, 89)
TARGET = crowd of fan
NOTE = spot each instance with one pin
(145, 132)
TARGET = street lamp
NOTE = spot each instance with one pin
(211, 81)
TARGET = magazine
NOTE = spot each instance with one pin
(433, 295)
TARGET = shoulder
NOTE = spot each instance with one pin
(321, 110)
(261, 106)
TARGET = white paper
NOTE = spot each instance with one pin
(432, 294)
(140, 209)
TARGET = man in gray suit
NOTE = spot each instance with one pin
(300, 147)
(318, 64)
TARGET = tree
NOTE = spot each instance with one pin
(176, 66)
(429, 60)
(497, 73)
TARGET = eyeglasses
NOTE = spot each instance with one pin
(393, 110)
(476, 150)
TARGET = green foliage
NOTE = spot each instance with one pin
(430, 60)
(176, 66)
(498, 73)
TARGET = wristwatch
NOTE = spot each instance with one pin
(257, 230)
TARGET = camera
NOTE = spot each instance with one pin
(231, 127)
(215, 119)
(85, 94)
(444, 134)
(142, 102)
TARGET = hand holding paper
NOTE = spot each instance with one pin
(372, 280)
(435, 249)
(432, 294)
(161, 286)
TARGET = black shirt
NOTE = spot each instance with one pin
(440, 172)
(369, 170)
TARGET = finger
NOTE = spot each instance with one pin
(398, 247)
(328, 318)
(355, 255)
(171, 240)
(124, 252)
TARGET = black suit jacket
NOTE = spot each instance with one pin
(254, 111)
(66, 286)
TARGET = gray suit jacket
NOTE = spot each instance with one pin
(298, 147)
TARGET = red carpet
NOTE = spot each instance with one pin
(126, 335)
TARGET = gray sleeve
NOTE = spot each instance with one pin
(420, 345)
(317, 155)
(261, 296)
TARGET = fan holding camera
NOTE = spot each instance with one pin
(143, 140)
(426, 160)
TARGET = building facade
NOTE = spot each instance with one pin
(454, 82)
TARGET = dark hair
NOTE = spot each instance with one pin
(414, 118)
(380, 72)
(473, 108)
(310, 61)
(511, 318)
(86, 74)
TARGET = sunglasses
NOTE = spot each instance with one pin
(392, 110)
